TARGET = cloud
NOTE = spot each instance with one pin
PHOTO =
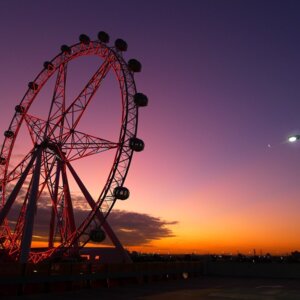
(132, 228)
(136, 229)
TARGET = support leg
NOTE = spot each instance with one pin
(100, 216)
(13, 195)
(30, 210)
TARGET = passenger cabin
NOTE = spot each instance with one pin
(33, 86)
(121, 193)
(48, 65)
(103, 37)
(19, 109)
(136, 144)
(140, 99)
(134, 65)
(121, 45)
(8, 134)
(97, 235)
(84, 39)
(65, 49)
(2, 161)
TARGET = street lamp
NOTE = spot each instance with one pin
(294, 138)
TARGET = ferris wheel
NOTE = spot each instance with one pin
(45, 177)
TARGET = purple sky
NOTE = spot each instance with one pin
(222, 79)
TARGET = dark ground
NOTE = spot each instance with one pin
(202, 288)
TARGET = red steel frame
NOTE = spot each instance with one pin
(56, 143)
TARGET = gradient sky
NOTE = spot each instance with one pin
(222, 79)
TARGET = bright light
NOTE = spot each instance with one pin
(293, 139)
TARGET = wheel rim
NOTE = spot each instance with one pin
(56, 139)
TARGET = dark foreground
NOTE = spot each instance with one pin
(201, 288)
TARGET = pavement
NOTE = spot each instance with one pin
(201, 288)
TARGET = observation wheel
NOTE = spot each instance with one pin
(41, 181)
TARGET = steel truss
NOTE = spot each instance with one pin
(56, 143)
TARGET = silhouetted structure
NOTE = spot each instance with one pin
(44, 173)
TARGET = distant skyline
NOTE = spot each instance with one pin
(217, 173)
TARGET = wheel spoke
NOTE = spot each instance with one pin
(56, 193)
(36, 127)
(76, 144)
(19, 168)
(58, 100)
(76, 109)
(81, 145)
